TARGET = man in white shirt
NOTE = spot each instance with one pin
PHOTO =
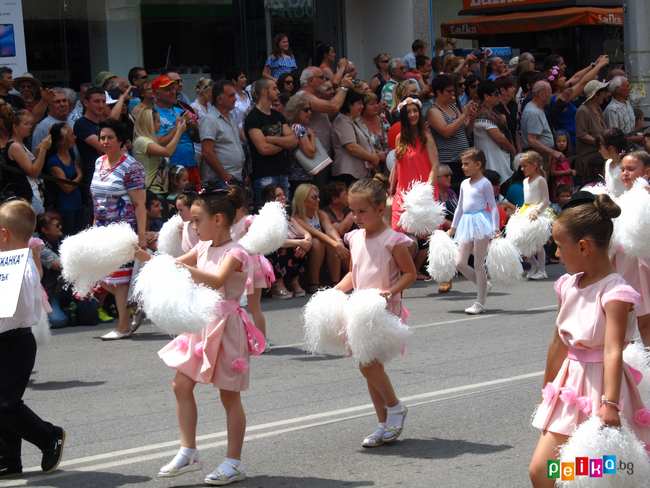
(620, 113)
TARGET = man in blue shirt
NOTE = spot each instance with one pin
(166, 100)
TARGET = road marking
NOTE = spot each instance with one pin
(445, 322)
(279, 427)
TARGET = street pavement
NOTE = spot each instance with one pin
(470, 382)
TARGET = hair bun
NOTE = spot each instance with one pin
(606, 207)
(236, 195)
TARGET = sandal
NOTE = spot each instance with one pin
(280, 294)
(171, 471)
(373, 441)
(445, 286)
(221, 478)
(395, 429)
(298, 292)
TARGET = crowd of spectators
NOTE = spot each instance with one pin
(128, 143)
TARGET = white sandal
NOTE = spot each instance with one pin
(373, 441)
(222, 478)
(395, 429)
(172, 471)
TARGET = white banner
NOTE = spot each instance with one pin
(12, 269)
(12, 37)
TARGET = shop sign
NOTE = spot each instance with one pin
(611, 19)
(498, 52)
(12, 37)
(483, 4)
(290, 8)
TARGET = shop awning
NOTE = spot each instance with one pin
(483, 25)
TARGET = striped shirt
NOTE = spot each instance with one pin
(449, 149)
(110, 190)
(620, 115)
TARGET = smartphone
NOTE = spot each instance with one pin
(7, 41)
(480, 54)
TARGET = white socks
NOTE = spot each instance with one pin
(395, 415)
(227, 468)
(184, 457)
(380, 430)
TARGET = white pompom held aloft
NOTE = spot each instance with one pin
(442, 257)
(373, 333)
(96, 253)
(593, 440)
(323, 320)
(422, 214)
(632, 227)
(504, 262)
(169, 237)
(269, 230)
(171, 299)
(529, 235)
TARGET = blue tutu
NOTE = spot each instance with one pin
(474, 225)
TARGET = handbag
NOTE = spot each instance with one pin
(314, 165)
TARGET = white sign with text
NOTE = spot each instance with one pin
(13, 52)
(12, 269)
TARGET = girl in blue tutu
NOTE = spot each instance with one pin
(473, 226)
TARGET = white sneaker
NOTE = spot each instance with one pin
(540, 275)
(475, 309)
(267, 346)
(531, 273)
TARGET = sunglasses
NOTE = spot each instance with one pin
(495, 94)
(315, 197)
(383, 61)
(450, 90)
(460, 84)
(473, 85)
(306, 109)
(288, 82)
(58, 225)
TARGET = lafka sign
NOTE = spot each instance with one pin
(463, 29)
(496, 4)
(610, 19)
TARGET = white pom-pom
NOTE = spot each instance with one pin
(169, 238)
(41, 331)
(422, 214)
(442, 257)
(95, 253)
(504, 262)
(171, 299)
(374, 334)
(593, 440)
(323, 319)
(269, 230)
(529, 235)
(632, 227)
(638, 357)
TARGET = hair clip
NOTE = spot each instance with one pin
(203, 191)
(622, 153)
(408, 100)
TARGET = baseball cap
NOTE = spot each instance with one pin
(103, 77)
(161, 82)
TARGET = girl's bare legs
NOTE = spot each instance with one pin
(186, 409)
(380, 388)
(644, 328)
(333, 264)
(236, 421)
(545, 450)
(256, 311)
(121, 292)
(315, 259)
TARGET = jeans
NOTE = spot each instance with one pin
(58, 319)
(281, 181)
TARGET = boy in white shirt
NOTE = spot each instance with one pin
(18, 353)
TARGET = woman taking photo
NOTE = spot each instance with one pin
(147, 151)
(450, 127)
(61, 163)
(416, 159)
(281, 59)
(383, 76)
(353, 155)
(491, 133)
(18, 156)
(118, 192)
(326, 59)
(327, 245)
(297, 113)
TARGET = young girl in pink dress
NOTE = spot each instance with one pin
(636, 271)
(379, 259)
(220, 353)
(260, 270)
(585, 373)
(189, 237)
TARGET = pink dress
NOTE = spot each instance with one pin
(190, 238)
(373, 265)
(209, 357)
(637, 274)
(260, 270)
(581, 326)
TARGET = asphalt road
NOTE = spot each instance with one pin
(471, 383)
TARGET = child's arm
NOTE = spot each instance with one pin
(345, 284)
(557, 353)
(215, 281)
(488, 191)
(541, 182)
(616, 313)
(458, 214)
(409, 273)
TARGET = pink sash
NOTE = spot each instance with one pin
(256, 341)
(596, 356)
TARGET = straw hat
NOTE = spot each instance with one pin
(592, 88)
(28, 77)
